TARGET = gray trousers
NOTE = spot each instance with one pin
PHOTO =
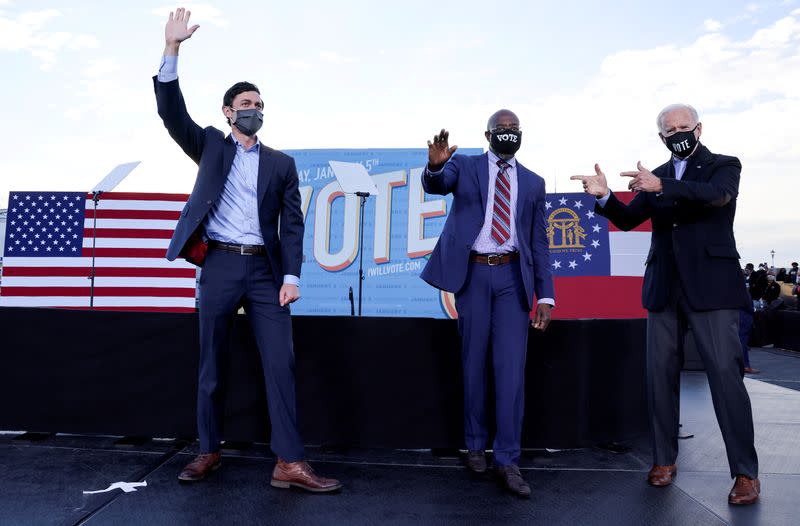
(716, 335)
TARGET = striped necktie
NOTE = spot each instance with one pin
(501, 217)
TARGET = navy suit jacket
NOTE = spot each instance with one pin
(279, 212)
(467, 177)
(692, 233)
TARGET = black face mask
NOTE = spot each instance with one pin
(681, 144)
(505, 142)
(249, 121)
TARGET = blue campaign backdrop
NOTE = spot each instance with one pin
(401, 226)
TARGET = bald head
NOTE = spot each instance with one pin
(502, 119)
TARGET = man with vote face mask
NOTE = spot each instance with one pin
(493, 253)
(243, 223)
(692, 278)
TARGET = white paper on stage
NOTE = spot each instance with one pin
(353, 178)
(115, 177)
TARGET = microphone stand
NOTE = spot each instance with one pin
(92, 273)
(363, 197)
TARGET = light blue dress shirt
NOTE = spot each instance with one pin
(233, 218)
(485, 243)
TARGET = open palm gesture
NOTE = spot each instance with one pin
(440, 151)
(177, 29)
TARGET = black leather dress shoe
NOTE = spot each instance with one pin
(512, 480)
(476, 461)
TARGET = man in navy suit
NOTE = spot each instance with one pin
(243, 223)
(692, 279)
(493, 253)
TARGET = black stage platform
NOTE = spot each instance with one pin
(361, 382)
(42, 481)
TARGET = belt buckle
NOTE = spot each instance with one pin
(242, 252)
(489, 259)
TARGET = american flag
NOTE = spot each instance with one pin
(598, 270)
(48, 252)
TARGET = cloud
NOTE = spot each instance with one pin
(101, 68)
(332, 57)
(26, 32)
(299, 65)
(745, 90)
(200, 13)
(712, 25)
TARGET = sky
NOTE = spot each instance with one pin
(587, 80)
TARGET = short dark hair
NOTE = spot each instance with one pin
(491, 124)
(239, 87)
(750, 266)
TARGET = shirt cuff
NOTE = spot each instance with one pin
(429, 172)
(288, 279)
(168, 70)
(603, 200)
(548, 301)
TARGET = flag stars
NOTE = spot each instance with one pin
(590, 214)
(573, 264)
(596, 228)
(587, 257)
(548, 205)
(595, 243)
(563, 201)
(578, 205)
(556, 264)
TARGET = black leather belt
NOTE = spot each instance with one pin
(244, 250)
(493, 259)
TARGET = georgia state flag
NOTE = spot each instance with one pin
(598, 269)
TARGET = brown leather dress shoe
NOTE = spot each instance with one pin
(750, 370)
(512, 480)
(300, 475)
(201, 466)
(476, 461)
(745, 490)
(661, 476)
